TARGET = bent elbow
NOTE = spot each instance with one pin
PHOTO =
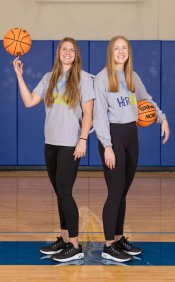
(27, 105)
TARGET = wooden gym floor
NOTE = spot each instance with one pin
(28, 219)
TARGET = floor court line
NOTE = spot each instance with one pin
(27, 253)
(159, 233)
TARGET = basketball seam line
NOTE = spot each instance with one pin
(18, 41)
(145, 103)
(13, 34)
(145, 120)
(24, 37)
(22, 48)
(8, 45)
(146, 112)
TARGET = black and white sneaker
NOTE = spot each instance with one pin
(54, 248)
(127, 247)
(113, 253)
(69, 253)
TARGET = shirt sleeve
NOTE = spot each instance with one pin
(42, 86)
(142, 94)
(100, 114)
(86, 88)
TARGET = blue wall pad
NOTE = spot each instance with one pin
(27, 253)
(84, 51)
(31, 121)
(8, 110)
(22, 130)
(97, 62)
(168, 100)
(146, 59)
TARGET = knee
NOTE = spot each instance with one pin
(63, 196)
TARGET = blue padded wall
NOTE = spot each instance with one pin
(146, 56)
(22, 130)
(146, 61)
(84, 51)
(168, 100)
(8, 110)
(97, 62)
(31, 120)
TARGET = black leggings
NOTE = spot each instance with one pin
(118, 180)
(62, 171)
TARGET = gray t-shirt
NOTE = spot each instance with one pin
(120, 107)
(62, 123)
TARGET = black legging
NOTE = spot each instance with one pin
(118, 180)
(62, 171)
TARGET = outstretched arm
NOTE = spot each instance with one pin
(29, 99)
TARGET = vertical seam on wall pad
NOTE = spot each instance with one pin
(160, 99)
(52, 53)
(89, 72)
(17, 112)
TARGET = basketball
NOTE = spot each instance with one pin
(146, 113)
(17, 41)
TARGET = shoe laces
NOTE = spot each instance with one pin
(57, 242)
(115, 249)
(69, 248)
(126, 242)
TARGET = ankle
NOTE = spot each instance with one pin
(65, 235)
(74, 241)
(65, 239)
(109, 243)
(118, 237)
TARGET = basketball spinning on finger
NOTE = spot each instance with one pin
(17, 41)
(146, 113)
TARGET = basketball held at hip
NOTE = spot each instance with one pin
(146, 113)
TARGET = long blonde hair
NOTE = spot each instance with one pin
(71, 95)
(128, 67)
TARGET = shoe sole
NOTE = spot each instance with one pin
(107, 256)
(78, 256)
(133, 253)
(51, 253)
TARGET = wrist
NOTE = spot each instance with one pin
(164, 120)
(82, 138)
(19, 75)
(108, 148)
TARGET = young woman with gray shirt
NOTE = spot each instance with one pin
(117, 89)
(68, 95)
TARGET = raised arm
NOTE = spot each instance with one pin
(29, 99)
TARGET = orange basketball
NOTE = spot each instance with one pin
(17, 41)
(146, 113)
